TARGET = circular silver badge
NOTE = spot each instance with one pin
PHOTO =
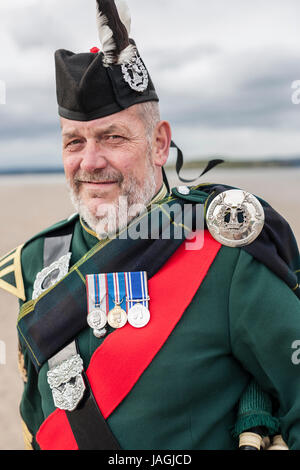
(235, 218)
(97, 319)
(138, 316)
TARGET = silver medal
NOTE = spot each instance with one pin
(135, 74)
(51, 275)
(97, 320)
(235, 218)
(138, 316)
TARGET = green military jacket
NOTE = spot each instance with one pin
(241, 324)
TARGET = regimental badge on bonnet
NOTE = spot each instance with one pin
(235, 218)
(135, 74)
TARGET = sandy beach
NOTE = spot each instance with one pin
(31, 203)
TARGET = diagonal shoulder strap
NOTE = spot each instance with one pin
(88, 425)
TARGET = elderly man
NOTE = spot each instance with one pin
(148, 342)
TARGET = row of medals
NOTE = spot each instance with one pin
(138, 316)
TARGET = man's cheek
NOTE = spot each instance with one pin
(71, 165)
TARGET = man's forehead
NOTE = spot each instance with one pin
(70, 130)
(109, 123)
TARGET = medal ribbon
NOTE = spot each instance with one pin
(96, 290)
(136, 288)
(116, 290)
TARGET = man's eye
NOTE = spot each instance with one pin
(114, 137)
(73, 144)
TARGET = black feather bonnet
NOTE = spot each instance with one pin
(103, 81)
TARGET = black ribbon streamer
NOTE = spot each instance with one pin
(179, 164)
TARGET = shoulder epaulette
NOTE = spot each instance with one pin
(191, 193)
(11, 278)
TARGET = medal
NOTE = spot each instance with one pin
(116, 298)
(137, 299)
(96, 301)
(117, 316)
(97, 320)
(235, 218)
(138, 316)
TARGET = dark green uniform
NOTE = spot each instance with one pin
(241, 324)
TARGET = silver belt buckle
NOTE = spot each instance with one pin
(66, 382)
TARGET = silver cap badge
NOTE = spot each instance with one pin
(235, 218)
(135, 74)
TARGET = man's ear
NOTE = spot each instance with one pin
(162, 141)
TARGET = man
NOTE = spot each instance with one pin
(148, 342)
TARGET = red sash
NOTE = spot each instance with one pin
(124, 355)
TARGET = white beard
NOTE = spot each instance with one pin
(114, 217)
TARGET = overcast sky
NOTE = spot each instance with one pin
(223, 71)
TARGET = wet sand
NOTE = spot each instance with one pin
(30, 204)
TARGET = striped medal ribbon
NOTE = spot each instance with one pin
(137, 298)
(96, 286)
(117, 316)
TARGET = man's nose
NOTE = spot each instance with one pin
(93, 158)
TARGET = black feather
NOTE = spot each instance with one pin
(120, 34)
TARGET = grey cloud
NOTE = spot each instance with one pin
(171, 60)
(260, 98)
(35, 116)
(49, 24)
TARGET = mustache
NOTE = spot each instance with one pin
(98, 176)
